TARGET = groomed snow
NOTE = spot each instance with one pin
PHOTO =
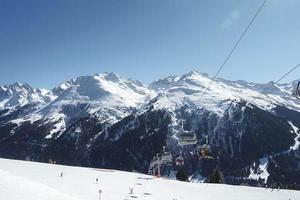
(29, 180)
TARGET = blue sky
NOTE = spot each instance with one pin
(45, 42)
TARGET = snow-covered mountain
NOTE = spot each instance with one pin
(18, 95)
(105, 120)
(191, 88)
(112, 97)
(108, 96)
(194, 95)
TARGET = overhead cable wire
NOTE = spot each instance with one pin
(261, 92)
(236, 44)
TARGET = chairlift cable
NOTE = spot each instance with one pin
(293, 69)
(255, 98)
(236, 45)
(231, 52)
(261, 92)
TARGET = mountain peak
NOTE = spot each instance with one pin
(108, 76)
(105, 88)
(111, 76)
(190, 77)
(16, 87)
(194, 75)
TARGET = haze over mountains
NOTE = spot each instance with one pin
(105, 120)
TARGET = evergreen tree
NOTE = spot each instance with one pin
(181, 175)
(215, 177)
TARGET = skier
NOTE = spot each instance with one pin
(99, 191)
(61, 174)
(130, 190)
(97, 180)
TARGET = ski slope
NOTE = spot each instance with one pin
(29, 180)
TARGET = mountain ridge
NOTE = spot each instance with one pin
(104, 120)
(109, 91)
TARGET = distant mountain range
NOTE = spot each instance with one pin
(105, 120)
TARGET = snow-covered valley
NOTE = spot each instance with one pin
(30, 180)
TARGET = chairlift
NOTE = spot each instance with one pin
(204, 150)
(187, 138)
(179, 161)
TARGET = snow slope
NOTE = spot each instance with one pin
(111, 97)
(18, 94)
(29, 180)
(195, 94)
(108, 96)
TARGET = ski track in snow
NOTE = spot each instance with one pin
(30, 180)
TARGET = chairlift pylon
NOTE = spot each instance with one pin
(159, 160)
(155, 164)
(204, 150)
